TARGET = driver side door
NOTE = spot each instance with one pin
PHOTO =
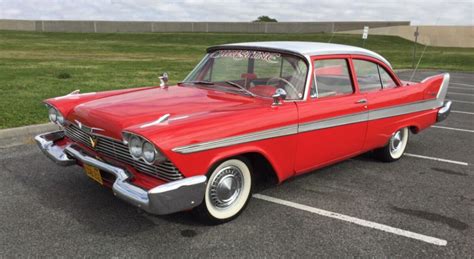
(333, 121)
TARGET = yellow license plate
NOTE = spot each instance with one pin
(93, 173)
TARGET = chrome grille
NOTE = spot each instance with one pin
(119, 151)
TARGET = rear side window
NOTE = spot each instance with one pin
(367, 75)
(387, 81)
(332, 78)
(371, 76)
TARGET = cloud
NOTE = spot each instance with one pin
(457, 12)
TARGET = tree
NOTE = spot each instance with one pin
(265, 18)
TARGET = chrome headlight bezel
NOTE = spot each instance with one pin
(128, 138)
(55, 116)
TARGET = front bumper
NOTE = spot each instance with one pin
(167, 198)
(444, 111)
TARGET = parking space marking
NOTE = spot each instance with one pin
(462, 88)
(460, 94)
(461, 84)
(463, 112)
(437, 159)
(449, 128)
(457, 101)
(354, 220)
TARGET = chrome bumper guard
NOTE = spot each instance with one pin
(167, 198)
(444, 111)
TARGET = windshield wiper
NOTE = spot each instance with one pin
(197, 82)
(241, 88)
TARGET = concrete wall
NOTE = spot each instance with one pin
(235, 27)
(17, 25)
(440, 36)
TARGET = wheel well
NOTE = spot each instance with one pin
(263, 171)
(414, 129)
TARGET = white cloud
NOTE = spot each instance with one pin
(458, 12)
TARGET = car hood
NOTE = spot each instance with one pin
(140, 110)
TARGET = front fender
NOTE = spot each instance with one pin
(275, 150)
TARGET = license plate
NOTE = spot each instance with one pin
(93, 173)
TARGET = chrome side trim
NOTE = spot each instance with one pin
(443, 90)
(260, 135)
(164, 199)
(334, 122)
(310, 126)
(403, 109)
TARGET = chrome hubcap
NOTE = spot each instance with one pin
(226, 187)
(396, 142)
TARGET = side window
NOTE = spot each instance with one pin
(387, 81)
(367, 75)
(332, 78)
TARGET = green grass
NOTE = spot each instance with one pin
(35, 66)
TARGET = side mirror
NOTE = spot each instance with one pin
(279, 96)
(163, 80)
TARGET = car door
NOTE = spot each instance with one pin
(384, 92)
(333, 120)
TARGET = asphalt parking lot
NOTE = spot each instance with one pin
(420, 206)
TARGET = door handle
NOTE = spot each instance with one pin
(362, 101)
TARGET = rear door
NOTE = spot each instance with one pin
(333, 121)
(384, 92)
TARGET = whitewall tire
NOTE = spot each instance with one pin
(228, 191)
(395, 148)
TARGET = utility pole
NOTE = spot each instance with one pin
(414, 47)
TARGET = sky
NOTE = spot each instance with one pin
(419, 12)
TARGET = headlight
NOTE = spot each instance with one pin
(135, 145)
(53, 116)
(59, 118)
(142, 149)
(149, 152)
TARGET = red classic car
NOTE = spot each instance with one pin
(278, 109)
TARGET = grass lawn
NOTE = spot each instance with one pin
(35, 66)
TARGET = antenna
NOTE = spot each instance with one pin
(422, 53)
(332, 36)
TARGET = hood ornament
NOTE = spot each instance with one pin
(164, 80)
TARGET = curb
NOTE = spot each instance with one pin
(27, 131)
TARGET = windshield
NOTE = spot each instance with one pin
(251, 72)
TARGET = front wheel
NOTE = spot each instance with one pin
(227, 192)
(395, 148)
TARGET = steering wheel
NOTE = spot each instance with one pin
(292, 87)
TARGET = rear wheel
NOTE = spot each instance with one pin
(395, 148)
(227, 192)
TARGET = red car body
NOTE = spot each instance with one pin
(207, 125)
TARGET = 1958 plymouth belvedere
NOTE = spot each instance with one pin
(247, 109)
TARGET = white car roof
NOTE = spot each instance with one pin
(306, 48)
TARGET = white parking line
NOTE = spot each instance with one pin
(437, 159)
(461, 84)
(462, 88)
(460, 94)
(449, 128)
(457, 101)
(463, 112)
(357, 221)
